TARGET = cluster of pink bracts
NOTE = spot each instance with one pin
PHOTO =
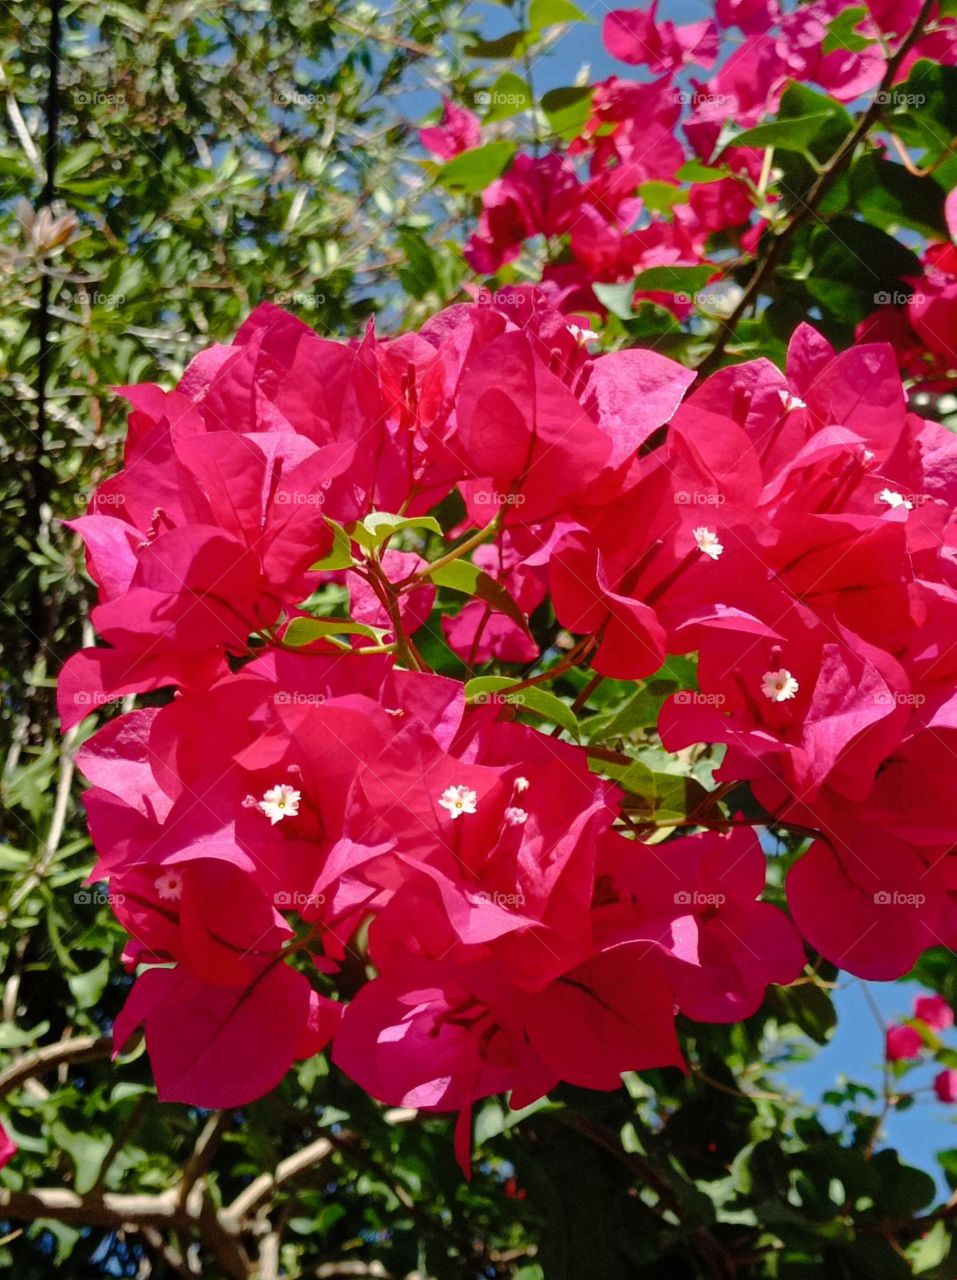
(325, 806)
(662, 130)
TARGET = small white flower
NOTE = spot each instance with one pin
(779, 685)
(521, 784)
(280, 802)
(515, 817)
(581, 335)
(169, 886)
(708, 542)
(867, 456)
(894, 499)
(790, 401)
(459, 800)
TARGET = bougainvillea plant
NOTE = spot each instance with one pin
(319, 841)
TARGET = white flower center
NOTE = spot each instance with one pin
(708, 542)
(459, 800)
(281, 801)
(790, 401)
(169, 885)
(521, 784)
(515, 817)
(894, 499)
(779, 685)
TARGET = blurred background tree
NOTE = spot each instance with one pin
(164, 167)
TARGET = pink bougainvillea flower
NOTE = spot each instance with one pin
(8, 1148)
(945, 1085)
(223, 1046)
(903, 1044)
(934, 1012)
(458, 130)
(637, 37)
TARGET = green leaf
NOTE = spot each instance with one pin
(509, 45)
(788, 135)
(890, 196)
(616, 298)
(923, 110)
(303, 631)
(496, 689)
(550, 13)
(462, 575)
(661, 197)
(684, 280)
(417, 274)
(474, 170)
(507, 97)
(377, 527)
(841, 34)
(340, 556)
(86, 1152)
(808, 1007)
(930, 1250)
(14, 1037)
(88, 987)
(804, 119)
(567, 109)
(854, 265)
(695, 171)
